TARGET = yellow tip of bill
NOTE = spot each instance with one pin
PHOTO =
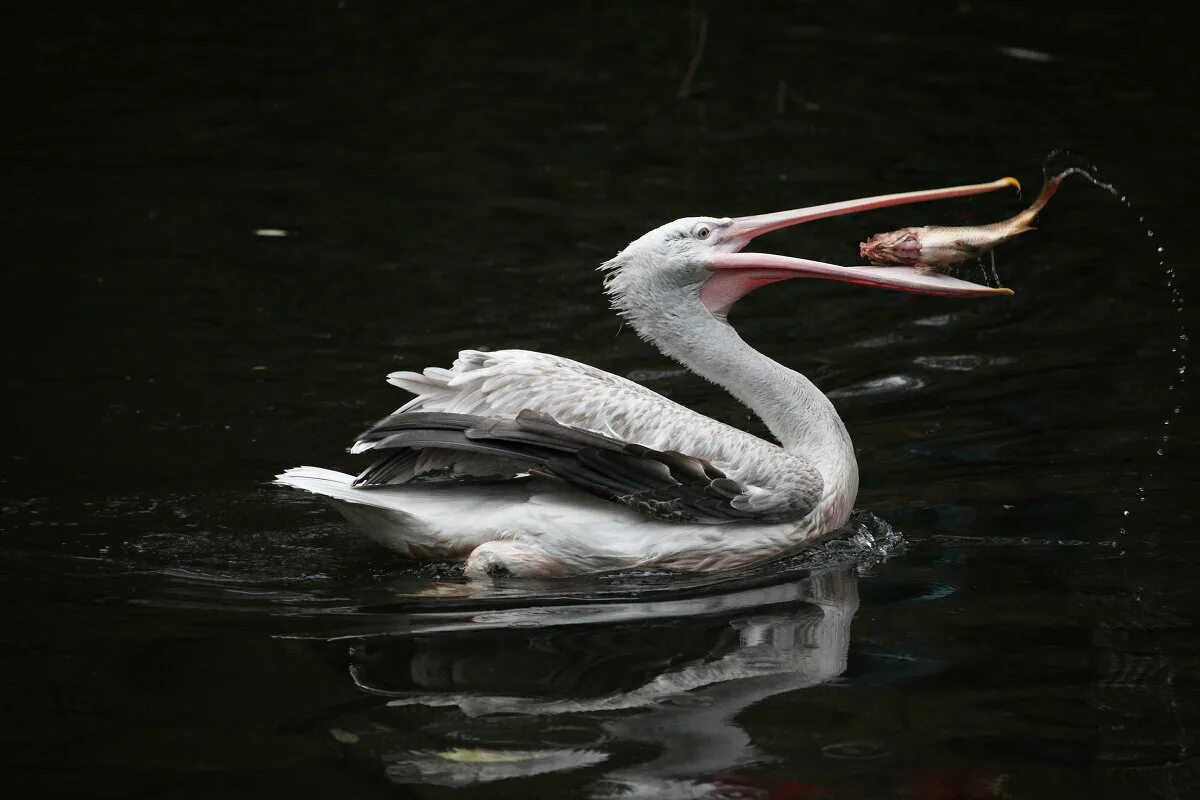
(1013, 182)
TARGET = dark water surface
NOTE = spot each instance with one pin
(448, 176)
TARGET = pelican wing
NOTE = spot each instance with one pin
(665, 485)
(506, 382)
(501, 385)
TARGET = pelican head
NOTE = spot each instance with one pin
(701, 259)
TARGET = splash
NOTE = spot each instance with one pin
(1180, 337)
(1084, 169)
(863, 542)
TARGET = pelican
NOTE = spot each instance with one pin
(559, 468)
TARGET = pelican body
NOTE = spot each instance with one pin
(560, 468)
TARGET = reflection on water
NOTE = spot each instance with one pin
(682, 669)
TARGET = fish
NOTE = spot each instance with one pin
(936, 247)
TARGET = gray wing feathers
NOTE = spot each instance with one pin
(665, 485)
(497, 386)
(503, 383)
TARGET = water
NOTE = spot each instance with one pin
(226, 226)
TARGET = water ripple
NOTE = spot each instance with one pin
(967, 362)
(885, 385)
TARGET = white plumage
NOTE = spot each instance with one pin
(530, 527)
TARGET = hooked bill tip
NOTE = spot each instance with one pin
(1013, 182)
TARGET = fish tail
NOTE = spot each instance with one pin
(1049, 187)
(1024, 220)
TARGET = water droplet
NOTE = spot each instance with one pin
(1159, 451)
(1149, 234)
(1126, 512)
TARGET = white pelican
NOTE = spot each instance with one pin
(595, 472)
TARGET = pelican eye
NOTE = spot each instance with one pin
(701, 231)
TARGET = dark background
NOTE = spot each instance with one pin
(448, 176)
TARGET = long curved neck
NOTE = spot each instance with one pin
(794, 410)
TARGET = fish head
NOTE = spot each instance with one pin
(900, 248)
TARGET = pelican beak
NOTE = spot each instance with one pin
(736, 273)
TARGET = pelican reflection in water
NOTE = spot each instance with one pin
(676, 672)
